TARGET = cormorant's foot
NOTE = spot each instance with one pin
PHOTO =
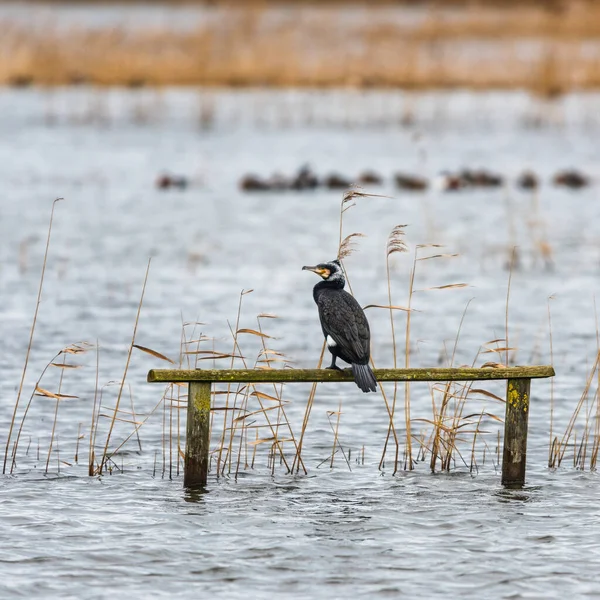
(333, 368)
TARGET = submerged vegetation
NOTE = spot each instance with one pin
(251, 424)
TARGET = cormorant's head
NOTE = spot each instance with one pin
(329, 271)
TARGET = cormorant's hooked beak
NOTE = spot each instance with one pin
(322, 272)
(313, 269)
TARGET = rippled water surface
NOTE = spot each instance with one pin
(348, 530)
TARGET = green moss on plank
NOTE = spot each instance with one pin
(324, 375)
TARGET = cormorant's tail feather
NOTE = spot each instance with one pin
(364, 377)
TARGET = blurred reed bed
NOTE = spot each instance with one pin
(546, 49)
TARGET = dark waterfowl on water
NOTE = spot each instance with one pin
(571, 179)
(252, 183)
(337, 182)
(481, 178)
(344, 324)
(410, 182)
(165, 181)
(449, 182)
(305, 179)
(528, 180)
(370, 178)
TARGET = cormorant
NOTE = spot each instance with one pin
(410, 182)
(344, 324)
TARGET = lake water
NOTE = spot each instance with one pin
(348, 530)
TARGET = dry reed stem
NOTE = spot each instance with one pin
(336, 442)
(512, 263)
(26, 412)
(163, 438)
(222, 441)
(307, 411)
(279, 394)
(551, 441)
(456, 423)
(395, 244)
(447, 396)
(60, 381)
(29, 345)
(335, 431)
(79, 437)
(39, 391)
(112, 424)
(96, 424)
(134, 418)
(596, 445)
(182, 341)
(140, 424)
(92, 458)
(438, 427)
(348, 201)
(562, 446)
(407, 364)
(582, 453)
(473, 460)
(171, 435)
(277, 442)
(243, 435)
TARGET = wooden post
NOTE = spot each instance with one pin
(197, 435)
(514, 456)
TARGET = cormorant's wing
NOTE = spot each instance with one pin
(344, 320)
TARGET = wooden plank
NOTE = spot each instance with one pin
(325, 375)
(514, 455)
(197, 435)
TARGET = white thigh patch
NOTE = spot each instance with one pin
(330, 342)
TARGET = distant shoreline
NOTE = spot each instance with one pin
(388, 45)
(541, 4)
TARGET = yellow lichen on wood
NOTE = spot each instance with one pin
(515, 399)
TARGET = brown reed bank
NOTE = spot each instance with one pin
(538, 47)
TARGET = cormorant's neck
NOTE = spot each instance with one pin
(328, 284)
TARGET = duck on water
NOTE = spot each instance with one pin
(344, 324)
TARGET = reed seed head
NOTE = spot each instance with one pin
(348, 245)
(396, 241)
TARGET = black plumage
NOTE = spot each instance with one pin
(344, 324)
